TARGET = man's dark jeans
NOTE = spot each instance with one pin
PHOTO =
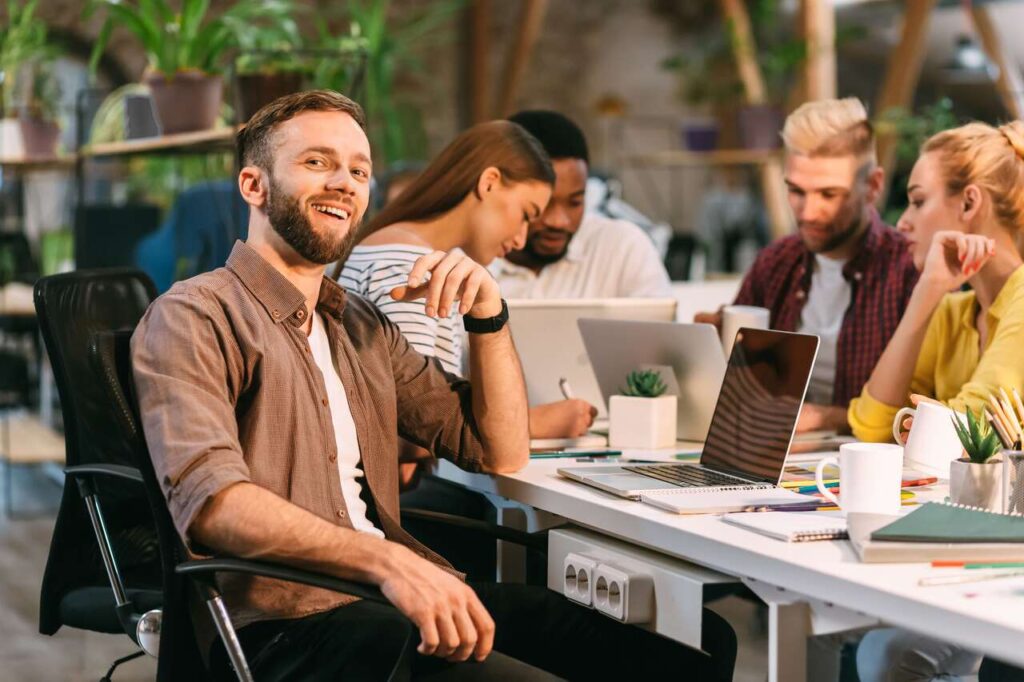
(373, 641)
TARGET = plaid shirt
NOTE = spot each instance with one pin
(881, 276)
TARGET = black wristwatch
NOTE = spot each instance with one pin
(486, 325)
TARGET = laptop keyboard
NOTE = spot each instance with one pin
(687, 475)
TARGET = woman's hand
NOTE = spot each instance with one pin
(953, 257)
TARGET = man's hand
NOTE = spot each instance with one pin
(453, 624)
(822, 418)
(452, 277)
(564, 419)
(714, 318)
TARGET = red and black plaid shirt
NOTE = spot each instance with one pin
(881, 276)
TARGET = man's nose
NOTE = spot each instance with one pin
(556, 216)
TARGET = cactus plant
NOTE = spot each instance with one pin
(645, 383)
(979, 439)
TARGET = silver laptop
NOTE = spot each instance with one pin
(752, 428)
(688, 356)
(550, 346)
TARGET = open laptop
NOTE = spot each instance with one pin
(550, 346)
(688, 356)
(751, 431)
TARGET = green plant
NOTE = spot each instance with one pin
(644, 383)
(393, 61)
(270, 42)
(178, 41)
(26, 56)
(911, 130)
(979, 439)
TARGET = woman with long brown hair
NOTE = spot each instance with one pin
(477, 196)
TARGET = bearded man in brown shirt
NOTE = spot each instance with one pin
(272, 401)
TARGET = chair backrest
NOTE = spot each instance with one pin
(71, 308)
(179, 655)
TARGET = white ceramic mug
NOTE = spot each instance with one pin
(736, 316)
(870, 477)
(932, 443)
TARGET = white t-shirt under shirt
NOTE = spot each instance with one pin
(822, 315)
(344, 430)
(373, 271)
(606, 258)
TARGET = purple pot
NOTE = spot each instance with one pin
(700, 137)
(39, 137)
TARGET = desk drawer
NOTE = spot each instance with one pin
(634, 584)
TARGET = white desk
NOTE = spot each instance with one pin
(805, 584)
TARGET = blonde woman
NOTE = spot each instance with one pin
(966, 211)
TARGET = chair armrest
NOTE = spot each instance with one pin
(537, 540)
(114, 470)
(202, 570)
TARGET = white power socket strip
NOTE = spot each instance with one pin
(578, 582)
(625, 595)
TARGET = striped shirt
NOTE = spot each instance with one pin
(373, 271)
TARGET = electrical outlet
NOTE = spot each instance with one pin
(578, 583)
(622, 594)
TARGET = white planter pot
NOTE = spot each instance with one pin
(11, 144)
(646, 423)
(977, 485)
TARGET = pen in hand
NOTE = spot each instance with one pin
(566, 389)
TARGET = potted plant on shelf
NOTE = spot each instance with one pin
(642, 417)
(29, 96)
(185, 51)
(269, 63)
(976, 480)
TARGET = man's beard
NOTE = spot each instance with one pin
(291, 222)
(545, 257)
(842, 236)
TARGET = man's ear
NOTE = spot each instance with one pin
(488, 181)
(971, 203)
(253, 184)
(875, 183)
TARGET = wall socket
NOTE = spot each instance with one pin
(578, 581)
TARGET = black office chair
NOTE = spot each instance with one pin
(102, 573)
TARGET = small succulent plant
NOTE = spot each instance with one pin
(645, 383)
(979, 439)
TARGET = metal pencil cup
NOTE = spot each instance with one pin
(1013, 482)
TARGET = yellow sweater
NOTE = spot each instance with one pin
(950, 367)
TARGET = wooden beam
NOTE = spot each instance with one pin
(530, 22)
(819, 30)
(901, 78)
(773, 186)
(1010, 84)
(479, 73)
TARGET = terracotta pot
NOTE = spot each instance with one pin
(253, 91)
(187, 101)
(977, 485)
(39, 137)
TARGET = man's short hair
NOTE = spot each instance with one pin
(254, 142)
(560, 137)
(831, 127)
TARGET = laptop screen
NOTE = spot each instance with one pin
(759, 403)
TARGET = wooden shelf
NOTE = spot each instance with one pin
(718, 157)
(215, 139)
(39, 164)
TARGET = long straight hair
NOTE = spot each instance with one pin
(456, 171)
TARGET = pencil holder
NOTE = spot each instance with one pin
(1013, 482)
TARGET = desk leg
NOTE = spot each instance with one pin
(788, 629)
(511, 558)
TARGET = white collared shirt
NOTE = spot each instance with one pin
(606, 258)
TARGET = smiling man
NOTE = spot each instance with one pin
(570, 253)
(845, 276)
(272, 402)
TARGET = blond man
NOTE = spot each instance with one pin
(845, 276)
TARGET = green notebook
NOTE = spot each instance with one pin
(941, 522)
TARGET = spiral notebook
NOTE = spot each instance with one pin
(791, 526)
